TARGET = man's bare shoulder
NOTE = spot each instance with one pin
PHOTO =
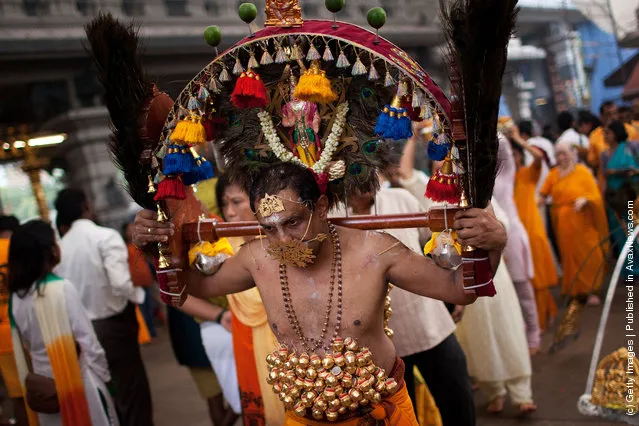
(251, 250)
(369, 242)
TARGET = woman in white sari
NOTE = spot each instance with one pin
(49, 321)
(493, 335)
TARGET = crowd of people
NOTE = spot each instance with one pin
(73, 304)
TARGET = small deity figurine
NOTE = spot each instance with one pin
(303, 119)
(283, 13)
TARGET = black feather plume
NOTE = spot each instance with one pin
(477, 34)
(115, 48)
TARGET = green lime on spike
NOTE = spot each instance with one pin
(247, 12)
(213, 35)
(376, 17)
(334, 5)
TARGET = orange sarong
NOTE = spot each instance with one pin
(545, 273)
(395, 410)
(247, 378)
(581, 236)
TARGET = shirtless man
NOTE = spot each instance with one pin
(369, 261)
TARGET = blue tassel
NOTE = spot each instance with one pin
(382, 121)
(437, 152)
(397, 127)
(202, 170)
(178, 160)
(403, 128)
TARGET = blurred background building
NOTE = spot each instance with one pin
(562, 54)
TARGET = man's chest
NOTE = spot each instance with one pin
(303, 302)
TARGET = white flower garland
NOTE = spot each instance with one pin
(280, 151)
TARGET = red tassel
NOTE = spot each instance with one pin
(170, 188)
(249, 91)
(214, 127)
(443, 188)
(322, 181)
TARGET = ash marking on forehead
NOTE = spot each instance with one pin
(273, 219)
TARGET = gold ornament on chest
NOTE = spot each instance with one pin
(343, 380)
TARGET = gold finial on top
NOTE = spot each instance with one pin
(283, 13)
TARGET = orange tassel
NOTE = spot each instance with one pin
(249, 91)
(189, 131)
(315, 87)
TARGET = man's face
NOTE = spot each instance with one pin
(610, 114)
(361, 202)
(296, 221)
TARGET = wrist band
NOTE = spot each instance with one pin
(218, 319)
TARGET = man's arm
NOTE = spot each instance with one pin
(420, 275)
(232, 277)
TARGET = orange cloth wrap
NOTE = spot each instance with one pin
(545, 273)
(578, 233)
(395, 410)
(247, 378)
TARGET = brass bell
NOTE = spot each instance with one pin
(328, 361)
(331, 380)
(321, 404)
(151, 185)
(347, 380)
(304, 360)
(300, 409)
(338, 344)
(318, 414)
(331, 415)
(316, 361)
(289, 403)
(311, 373)
(355, 395)
(161, 215)
(391, 386)
(163, 263)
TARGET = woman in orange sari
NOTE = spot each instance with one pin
(526, 178)
(579, 221)
(253, 339)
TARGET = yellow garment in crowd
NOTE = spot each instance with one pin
(8, 367)
(545, 273)
(598, 145)
(578, 233)
(248, 308)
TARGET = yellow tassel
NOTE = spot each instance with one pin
(315, 87)
(210, 249)
(189, 131)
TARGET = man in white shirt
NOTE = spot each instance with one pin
(423, 329)
(566, 123)
(95, 260)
